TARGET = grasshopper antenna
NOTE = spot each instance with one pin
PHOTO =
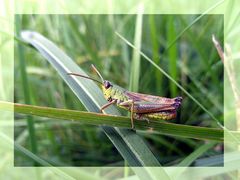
(95, 69)
(75, 74)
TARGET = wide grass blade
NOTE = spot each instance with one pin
(129, 144)
(159, 127)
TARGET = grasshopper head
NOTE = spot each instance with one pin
(107, 84)
(107, 89)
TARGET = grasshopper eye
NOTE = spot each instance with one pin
(107, 84)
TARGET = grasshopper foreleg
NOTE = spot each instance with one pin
(108, 104)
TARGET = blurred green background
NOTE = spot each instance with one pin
(182, 48)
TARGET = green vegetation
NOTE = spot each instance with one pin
(187, 55)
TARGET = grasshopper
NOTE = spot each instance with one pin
(141, 106)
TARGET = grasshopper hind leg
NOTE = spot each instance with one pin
(132, 114)
(141, 117)
(164, 115)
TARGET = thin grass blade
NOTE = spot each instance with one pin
(135, 66)
(158, 127)
(172, 56)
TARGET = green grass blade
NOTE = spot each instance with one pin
(30, 120)
(129, 144)
(155, 53)
(172, 55)
(135, 66)
(160, 127)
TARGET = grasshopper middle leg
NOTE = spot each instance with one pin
(130, 103)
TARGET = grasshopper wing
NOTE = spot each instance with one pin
(153, 99)
(149, 107)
